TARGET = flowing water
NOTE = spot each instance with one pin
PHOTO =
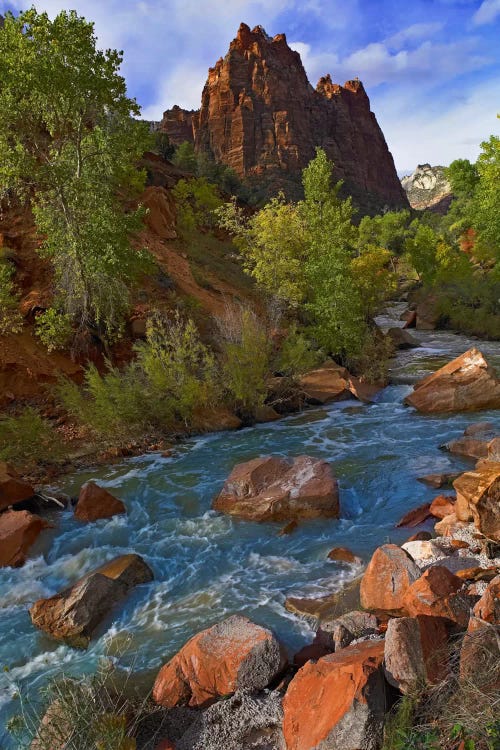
(208, 566)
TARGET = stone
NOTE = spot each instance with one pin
(19, 530)
(232, 655)
(161, 212)
(312, 651)
(95, 502)
(439, 480)
(242, 721)
(342, 554)
(448, 525)
(469, 447)
(389, 575)
(338, 701)
(410, 319)
(276, 489)
(420, 536)
(436, 594)
(422, 551)
(428, 188)
(288, 528)
(332, 605)
(442, 505)
(415, 651)
(326, 384)
(249, 121)
(13, 489)
(477, 574)
(333, 635)
(415, 517)
(402, 339)
(427, 314)
(468, 383)
(488, 606)
(478, 498)
(73, 614)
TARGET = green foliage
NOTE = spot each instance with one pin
(67, 131)
(196, 201)
(10, 317)
(245, 360)
(54, 329)
(296, 355)
(376, 281)
(28, 438)
(173, 374)
(185, 158)
(463, 178)
(389, 231)
(162, 145)
(485, 209)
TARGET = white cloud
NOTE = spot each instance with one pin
(487, 12)
(414, 33)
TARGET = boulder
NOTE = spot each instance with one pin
(338, 701)
(469, 447)
(402, 339)
(326, 384)
(427, 314)
(340, 632)
(436, 594)
(13, 489)
(468, 383)
(19, 529)
(488, 607)
(275, 489)
(415, 651)
(95, 502)
(477, 574)
(410, 318)
(442, 505)
(389, 574)
(73, 614)
(342, 554)
(421, 551)
(478, 498)
(420, 536)
(232, 655)
(332, 605)
(439, 480)
(415, 517)
(448, 525)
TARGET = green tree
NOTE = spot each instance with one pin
(463, 178)
(185, 157)
(332, 297)
(10, 317)
(197, 200)
(69, 144)
(486, 202)
(162, 145)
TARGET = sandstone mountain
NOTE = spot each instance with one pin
(260, 115)
(428, 188)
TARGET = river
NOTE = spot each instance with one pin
(208, 566)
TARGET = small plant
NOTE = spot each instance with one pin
(28, 438)
(54, 329)
(10, 318)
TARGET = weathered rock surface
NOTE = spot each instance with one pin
(329, 606)
(338, 701)
(19, 530)
(415, 516)
(161, 212)
(249, 121)
(73, 615)
(427, 188)
(478, 498)
(442, 505)
(402, 339)
(13, 489)
(475, 443)
(342, 554)
(439, 480)
(468, 383)
(274, 489)
(331, 382)
(232, 655)
(242, 721)
(488, 607)
(389, 575)
(415, 651)
(437, 594)
(95, 502)
(339, 633)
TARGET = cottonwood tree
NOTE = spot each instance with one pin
(69, 145)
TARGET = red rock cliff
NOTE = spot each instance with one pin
(260, 115)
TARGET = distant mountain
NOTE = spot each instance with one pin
(260, 115)
(428, 188)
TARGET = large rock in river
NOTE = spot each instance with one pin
(13, 489)
(18, 531)
(95, 502)
(232, 655)
(337, 702)
(73, 614)
(276, 489)
(468, 383)
(478, 498)
(389, 575)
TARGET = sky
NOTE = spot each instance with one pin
(430, 67)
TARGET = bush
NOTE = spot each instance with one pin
(54, 329)
(172, 375)
(296, 355)
(196, 201)
(10, 317)
(28, 438)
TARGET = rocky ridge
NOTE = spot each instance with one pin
(260, 115)
(428, 188)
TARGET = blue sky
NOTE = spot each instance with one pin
(431, 67)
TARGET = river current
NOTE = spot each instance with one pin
(208, 566)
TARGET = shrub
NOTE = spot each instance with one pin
(28, 438)
(10, 318)
(296, 355)
(54, 329)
